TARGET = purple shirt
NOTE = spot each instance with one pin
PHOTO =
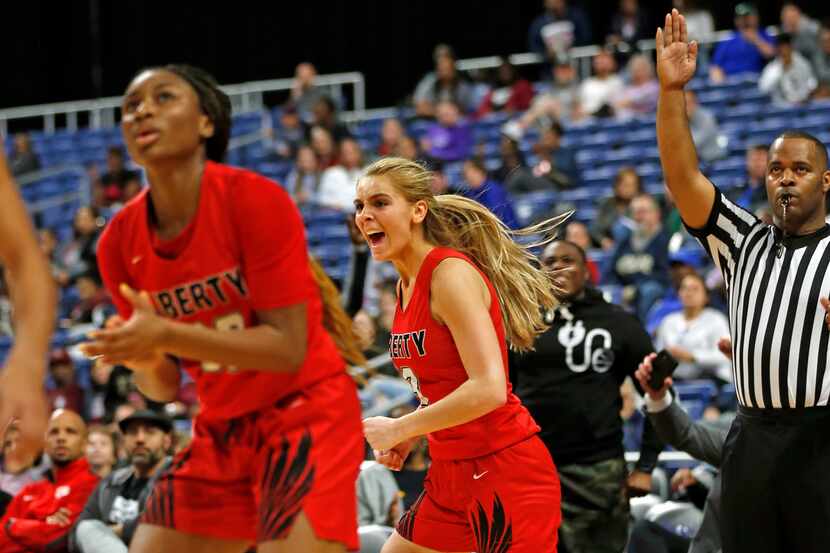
(450, 143)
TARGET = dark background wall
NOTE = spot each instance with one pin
(55, 51)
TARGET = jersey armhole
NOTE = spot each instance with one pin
(481, 277)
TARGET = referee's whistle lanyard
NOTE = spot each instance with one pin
(785, 201)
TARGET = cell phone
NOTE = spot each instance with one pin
(662, 366)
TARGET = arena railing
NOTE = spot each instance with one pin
(245, 97)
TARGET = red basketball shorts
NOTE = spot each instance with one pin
(507, 501)
(249, 477)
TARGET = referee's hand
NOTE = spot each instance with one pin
(825, 303)
(643, 375)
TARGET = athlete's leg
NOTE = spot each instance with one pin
(397, 544)
(150, 538)
(302, 538)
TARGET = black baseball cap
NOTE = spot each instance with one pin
(148, 416)
(745, 8)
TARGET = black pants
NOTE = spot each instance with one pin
(776, 481)
(650, 537)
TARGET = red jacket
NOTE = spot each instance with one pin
(24, 527)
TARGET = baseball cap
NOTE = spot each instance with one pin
(148, 416)
(745, 8)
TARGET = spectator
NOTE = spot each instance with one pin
(577, 233)
(629, 25)
(410, 478)
(324, 114)
(746, 51)
(821, 61)
(378, 497)
(95, 410)
(444, 84)
(48, 241)
(64, 392)
(112, 182)
(323, 145)
(390, 137)
(408, 149)
(15, 472)
(22, 158)
(789, 78)
(304, 93)
(449, 139)
(639, 96)
(752, 195)
(303, 182)
(513, 171)
(558, 29)
(627, 185)
(803, 30)
(640, 261)
(95, 305)
(699, 22)
(101, 451)
(692, 335)
(704, 127)
(286, 139)
(557, 164)
(78, 255)
(109, 520)
(509, 92)
(337, 184)
(598, 92)
(488, 192)
(40, 516)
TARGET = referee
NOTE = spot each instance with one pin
(776, 460)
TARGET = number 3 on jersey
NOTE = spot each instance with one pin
(231, 321)
(408, 375)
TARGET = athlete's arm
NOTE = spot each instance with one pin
(34, 298)
(460, 299)
(693, 194)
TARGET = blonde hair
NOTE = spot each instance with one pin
(524, 290)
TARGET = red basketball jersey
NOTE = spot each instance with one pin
(424, 352)
(244, 251)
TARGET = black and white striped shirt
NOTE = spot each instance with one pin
(773, 284)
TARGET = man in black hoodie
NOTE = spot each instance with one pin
(571, 385)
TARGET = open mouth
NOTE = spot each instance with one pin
(375, 237)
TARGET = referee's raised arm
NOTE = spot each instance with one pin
(694, 195)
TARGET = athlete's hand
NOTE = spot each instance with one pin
(132, 343)
(394, 458)
(22, 400)
(676, 57)
(382, 433)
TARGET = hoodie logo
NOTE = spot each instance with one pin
(595, 351)
(62, 491)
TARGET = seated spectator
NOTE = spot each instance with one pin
(22, 158)
(338, 183)
(445, 84)
(821, 61)
(112, 182)
(324, 148)
(111, 515)
(598, 92)
(48, 241)
(692, 334)
(629, 25)
(95, 305)
(101, 451)
(557, 164)
(803, 30)
(514, 172)
(408, 149)
(449, 139)
(78, 255)
(304, 93)
(488, 192)
(704, 127)
(753, 193)
(558, 29)
(325, 115)
(577, 232)
(788, 78)
(378, 497)
(508, 93)
(627, 185)
(639, 96)
(700, 25)
(640, 261)
(64, 392)
(15, 472)
(41, 515)
(558, 101)
(746, 51)
(390, 137)
(286, 139)
(303, 182)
